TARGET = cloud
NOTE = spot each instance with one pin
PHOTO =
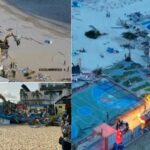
(10, 96)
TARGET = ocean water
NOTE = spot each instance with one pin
(58, 10)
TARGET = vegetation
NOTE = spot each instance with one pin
(133, 66)
(127, 83)
(129, 35)
(92, 34)
(131, 81)
(129, 73)
(147, 89)
(23, 94)
(147, 84)
(37, 94)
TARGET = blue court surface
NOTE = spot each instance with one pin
(98, 103)
(146, 24)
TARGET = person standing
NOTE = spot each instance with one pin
(107, 116)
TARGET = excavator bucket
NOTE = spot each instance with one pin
(18, 42)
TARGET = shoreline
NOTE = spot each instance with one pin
(33, 33)
(55, 27)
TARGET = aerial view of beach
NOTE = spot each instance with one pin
(35, 116)
(110, 74)
(35, 40)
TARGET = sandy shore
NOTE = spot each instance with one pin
(33, 52)
(96, 51)
(27, 138)
(51, 9)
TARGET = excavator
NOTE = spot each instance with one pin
(4, 43)
(4, 101)
(8, 112)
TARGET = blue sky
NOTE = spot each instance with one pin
(11, 90)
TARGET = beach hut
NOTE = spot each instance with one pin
(108, 134)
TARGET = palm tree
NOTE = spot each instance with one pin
(130, 37)
(23, 94)
(37, 94)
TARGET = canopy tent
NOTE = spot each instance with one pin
(108, 133)
(105, 130)
(111, 50)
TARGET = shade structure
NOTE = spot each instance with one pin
(107, 133)
(105, 130)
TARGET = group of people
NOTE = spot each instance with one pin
(122, 125)
(65, 140)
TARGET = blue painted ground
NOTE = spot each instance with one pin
(146, 24)
(98, 103)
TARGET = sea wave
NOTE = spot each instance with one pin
(58, 10)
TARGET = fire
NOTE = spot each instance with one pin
(142, 121)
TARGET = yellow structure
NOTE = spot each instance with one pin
(147, 100)
(133, 116)
(60, 108)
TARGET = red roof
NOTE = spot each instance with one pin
(105, 130)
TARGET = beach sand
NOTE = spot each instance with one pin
(94, 13)
(30, 54)
(23, 137)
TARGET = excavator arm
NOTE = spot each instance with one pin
(7, 36)
(16, 40)
(12, 35)
(2, 97)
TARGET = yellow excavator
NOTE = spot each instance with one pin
(5, 45)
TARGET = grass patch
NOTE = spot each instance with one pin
(147, 84)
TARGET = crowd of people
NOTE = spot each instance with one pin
(122, 125)
(65, 140)
(38, 117)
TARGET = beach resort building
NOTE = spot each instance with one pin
(47, 94)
